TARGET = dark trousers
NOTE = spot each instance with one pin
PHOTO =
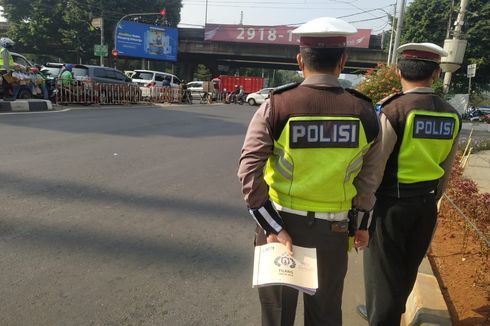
(323, 308)
(399, 239)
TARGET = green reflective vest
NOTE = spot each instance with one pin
(66, 78)
(315, 161)
(427, 141)
(11, 61)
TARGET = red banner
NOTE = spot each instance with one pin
(271, 35)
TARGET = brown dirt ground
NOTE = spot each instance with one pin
(461, 264)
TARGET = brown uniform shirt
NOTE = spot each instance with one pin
(259, 144)
(393, 117)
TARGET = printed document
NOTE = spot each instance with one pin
(273, 266)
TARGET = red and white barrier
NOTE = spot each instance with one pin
(79, 92)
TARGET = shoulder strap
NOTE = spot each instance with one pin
(284, 88)
(388, 99)
(359, 94)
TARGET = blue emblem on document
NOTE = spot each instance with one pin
(324, 134)
(433, 127)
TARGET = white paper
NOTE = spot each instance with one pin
(273, 266)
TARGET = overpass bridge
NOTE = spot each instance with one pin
(226, 57)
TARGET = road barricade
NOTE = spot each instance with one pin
(86, 93)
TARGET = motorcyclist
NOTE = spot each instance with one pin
(7, 63)
(240, 94)
(66, 77)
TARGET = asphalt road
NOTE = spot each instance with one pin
(129, 216)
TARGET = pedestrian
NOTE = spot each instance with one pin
(307, 161)
(7, 63)
(420, 133)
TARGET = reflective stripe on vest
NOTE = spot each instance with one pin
(11, 58)
(427, 141)
(314, 163)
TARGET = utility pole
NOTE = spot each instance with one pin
(390, 49)
(102, 37)
(206, 14)
(455, 48)
(241, 17)
(399, 27)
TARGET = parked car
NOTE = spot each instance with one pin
(195, 87)
(149, 78)
(99, 74)
(258, 97)
(51, 69)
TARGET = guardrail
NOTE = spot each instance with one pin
(86, 93)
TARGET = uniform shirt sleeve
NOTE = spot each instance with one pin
(373, 166)
(257, 148)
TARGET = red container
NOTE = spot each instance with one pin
(229, 83)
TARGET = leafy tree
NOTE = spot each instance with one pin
(380, 82)
(63, 27)
(427, 21)
(202, 73)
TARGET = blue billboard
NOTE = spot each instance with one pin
(147, 41)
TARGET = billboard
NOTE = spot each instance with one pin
(147, 41)
(271, 35)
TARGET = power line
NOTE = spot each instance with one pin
(365, 20)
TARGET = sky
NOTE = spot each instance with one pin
(361, 13)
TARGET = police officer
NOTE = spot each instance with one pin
(318, 144)
(7, 63)
(420, 133)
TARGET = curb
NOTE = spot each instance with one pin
(26, 106)
(426, 305)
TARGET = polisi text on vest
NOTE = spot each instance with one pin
(433, 127)
(324, 133)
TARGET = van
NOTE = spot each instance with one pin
(149, 78)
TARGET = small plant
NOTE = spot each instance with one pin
(380, 82)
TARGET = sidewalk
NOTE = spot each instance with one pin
(478, 169)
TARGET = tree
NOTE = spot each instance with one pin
(63, 27)
(202, 73)
(427, 21)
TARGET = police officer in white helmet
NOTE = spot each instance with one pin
(420, 132)
(306, 163)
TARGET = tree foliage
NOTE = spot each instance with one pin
(380, 82)
(427, 21)
(202, 73)
(63, 27)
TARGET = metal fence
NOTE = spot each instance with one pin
(94, 93)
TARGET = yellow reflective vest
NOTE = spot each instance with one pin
(11, 62)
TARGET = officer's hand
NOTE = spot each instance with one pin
(284, 238)
(361, 239)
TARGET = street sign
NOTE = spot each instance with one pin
(471, 70)
(97, 22)
(101, 50)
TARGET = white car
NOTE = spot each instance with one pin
(150, 78)
(195, 87)
(258, 97)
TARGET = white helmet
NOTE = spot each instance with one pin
(6, 42)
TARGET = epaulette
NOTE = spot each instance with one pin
(388, 99)
(284, 88)
(359, 94)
